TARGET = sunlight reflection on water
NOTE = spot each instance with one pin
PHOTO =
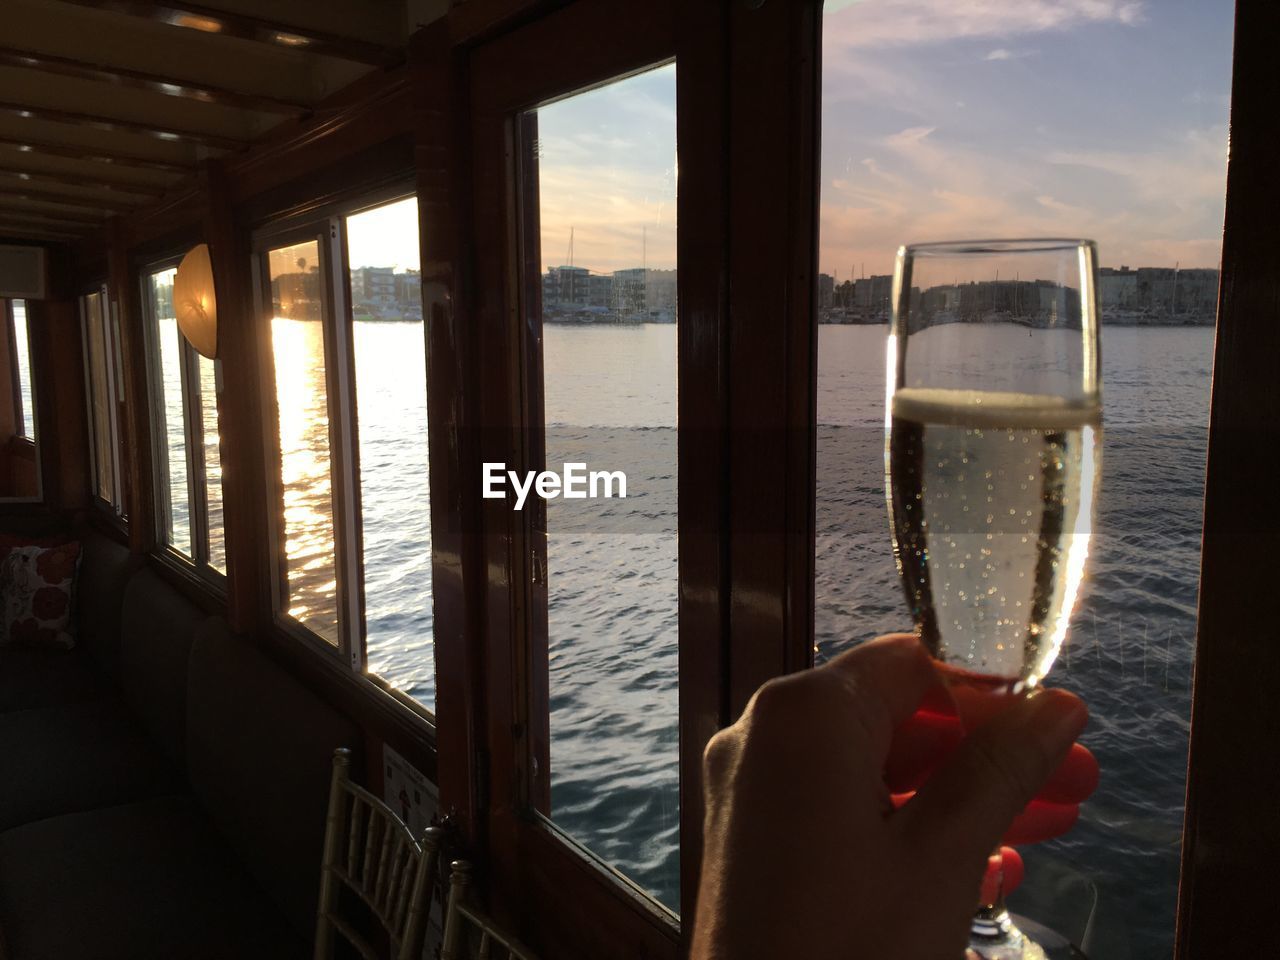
(301, 401)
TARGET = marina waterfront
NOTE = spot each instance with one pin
(613, 587)
(1130, 647)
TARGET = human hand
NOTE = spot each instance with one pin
(925, 740)
(805, 853)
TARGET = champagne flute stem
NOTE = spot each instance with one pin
(991, 923)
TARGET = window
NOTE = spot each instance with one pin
(605, 203)
(989, 127)
(26, 419)
(388, 340)
(350, 417)
(100, 336)
(185, 431)
(298, 350)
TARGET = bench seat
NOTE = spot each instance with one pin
(32, 677)
(163, 786)
(150, 880)
(63, 759)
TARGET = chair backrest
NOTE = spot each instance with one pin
(462, 922)
(369, 852)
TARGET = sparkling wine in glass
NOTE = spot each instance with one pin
(992, 459)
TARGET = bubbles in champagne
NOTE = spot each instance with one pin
(992, 499)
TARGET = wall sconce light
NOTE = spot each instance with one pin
(194, 301)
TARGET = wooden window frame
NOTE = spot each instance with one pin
(114, 508)
(194, 567)
(532, 864)
(15, 373)
(730, 638)
(326, 224)
(324, 231)
(748, 112)
(1230, 840)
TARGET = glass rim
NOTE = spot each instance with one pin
(978, 248)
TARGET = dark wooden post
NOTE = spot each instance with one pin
(124, 297)
(1232, 834)
(774, 73)
(240, 419)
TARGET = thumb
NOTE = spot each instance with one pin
(968, 804)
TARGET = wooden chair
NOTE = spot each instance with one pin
(369, 851)
(461, 919)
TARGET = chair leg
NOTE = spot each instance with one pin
(334, 822)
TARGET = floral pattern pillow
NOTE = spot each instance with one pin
(37, 589)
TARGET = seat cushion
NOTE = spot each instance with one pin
(39, 677)
(38, 586)
(144, 881)
(64, 759)
(157, 625)
(259, 755)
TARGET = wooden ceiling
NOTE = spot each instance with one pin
(106, 105)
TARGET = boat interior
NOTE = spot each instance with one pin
(210, 364)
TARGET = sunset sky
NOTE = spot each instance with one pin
(942, 119)
(607, 170)
(385, 236)
(952, 119)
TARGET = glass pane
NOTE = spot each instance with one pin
(212, 461)
(170, 427)
(22, 347)
(1107, 121)
(391, 412)
(606, 193)
(302, 402)
(100, 400)
(119, 410)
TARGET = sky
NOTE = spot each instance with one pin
(942, 120)
(607, 173)
(956, 119)
(385, 236)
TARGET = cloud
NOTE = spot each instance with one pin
(903, 162)
(905, 139)
(1001, 53)
(911, 22)
(607, 175)
(1057, 206)
(1153, 204)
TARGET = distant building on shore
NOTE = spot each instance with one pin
(1145, 296)
(409, 291)
(826, 291)
(373, 285)
(660, 295)
(631, 295)
(865, 300)
(1117, 289)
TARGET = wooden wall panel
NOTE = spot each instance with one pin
(61, 417)
(772, 236)
(1231, 838)
(123, 298)
(240, 423)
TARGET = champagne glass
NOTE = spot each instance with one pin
(992, 455)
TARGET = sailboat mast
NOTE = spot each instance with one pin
(569, 263)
